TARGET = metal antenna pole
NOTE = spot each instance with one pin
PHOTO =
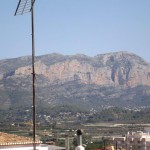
(33, 75)
(25, 6)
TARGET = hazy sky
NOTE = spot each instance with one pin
(69, 27)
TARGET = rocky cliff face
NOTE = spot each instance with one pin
(110, 79)
(116, 69)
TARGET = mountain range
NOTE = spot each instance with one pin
(119, 79)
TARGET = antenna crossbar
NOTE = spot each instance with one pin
(24, 6)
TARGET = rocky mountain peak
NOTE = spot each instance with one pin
(117, 79)
(111, 69)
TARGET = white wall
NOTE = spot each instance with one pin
(41, 147)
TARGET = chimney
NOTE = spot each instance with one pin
(79, 140)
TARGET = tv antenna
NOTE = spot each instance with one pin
(25, 6)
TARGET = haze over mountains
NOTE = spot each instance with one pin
(114, 79)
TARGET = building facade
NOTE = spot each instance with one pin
(133, 141)
(15, 142)
(24, 146)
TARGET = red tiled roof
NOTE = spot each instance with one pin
(11, 139)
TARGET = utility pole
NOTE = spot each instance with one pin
(116, 145)
(104, 145)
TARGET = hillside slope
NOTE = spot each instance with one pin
(113, 79)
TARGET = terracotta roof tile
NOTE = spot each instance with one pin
(6, 138)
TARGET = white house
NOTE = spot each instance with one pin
(26, 146)
(133, 140)
(14, 142)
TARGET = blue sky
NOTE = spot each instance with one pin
(69, 27)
